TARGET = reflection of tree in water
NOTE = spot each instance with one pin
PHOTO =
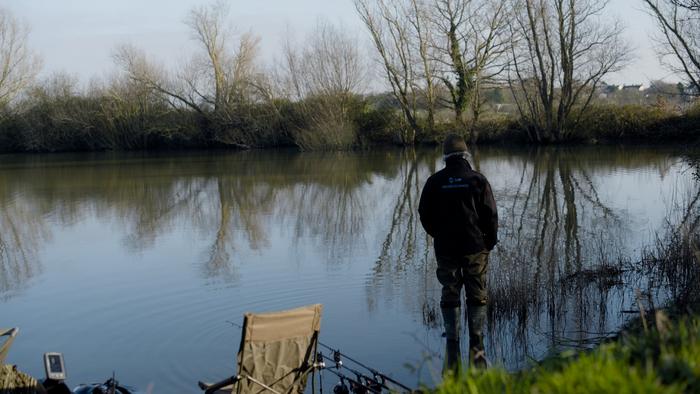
(564, 273)
(560, 275)
(21, 233)
(330, 205)
(151, 198)
(405, 263)
(322, 201)
(231, 199)
(559, 259)
(241, 203)
(672, 263)
(320, 195)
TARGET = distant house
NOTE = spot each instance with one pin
(639, 88)
(604, 90)
(618, 91)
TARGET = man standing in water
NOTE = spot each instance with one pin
(458, 210)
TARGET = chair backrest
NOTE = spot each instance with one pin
(278, 349)
(10, 333)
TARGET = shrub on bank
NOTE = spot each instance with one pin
(636, 123)
(495, 128)
(377, 124)
(491, 128)
(60, 121)
(51, 120)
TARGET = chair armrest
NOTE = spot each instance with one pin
(202, 385)
(212, 388)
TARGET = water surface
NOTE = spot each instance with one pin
(137, 263)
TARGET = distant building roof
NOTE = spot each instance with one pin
(639, 87)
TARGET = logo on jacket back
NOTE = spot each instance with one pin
(454, 185)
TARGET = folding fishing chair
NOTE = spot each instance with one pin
(13, 381)
(277, 353)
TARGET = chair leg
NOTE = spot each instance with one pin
(263, 385)
(212, 388)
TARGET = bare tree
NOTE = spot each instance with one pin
(461, 43)
(221, 75)
(401, 37)
(561, 51)
(679, 25)
(328, 63)
(419, 19)
(322, 76)
(18, 64)
(139, 69)
(219, 83)
(207, 24)
(473, 38)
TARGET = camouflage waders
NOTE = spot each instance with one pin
(468, 272)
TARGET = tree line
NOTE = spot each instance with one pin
(441, 61)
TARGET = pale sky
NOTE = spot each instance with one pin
(78, 36)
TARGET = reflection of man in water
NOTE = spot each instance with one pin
(458, 210)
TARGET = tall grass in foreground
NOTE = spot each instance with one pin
(665, 359)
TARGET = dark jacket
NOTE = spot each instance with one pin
(458, 210)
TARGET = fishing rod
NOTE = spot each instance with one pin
(372, 370)
(356, 386)
(372, 383)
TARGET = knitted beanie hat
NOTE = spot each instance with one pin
(454, 143)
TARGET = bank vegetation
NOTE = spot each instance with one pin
(663, 359)
(511, 72)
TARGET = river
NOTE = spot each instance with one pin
(137, 263)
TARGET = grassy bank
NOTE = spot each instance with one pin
(663, 359)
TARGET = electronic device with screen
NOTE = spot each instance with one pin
(55, 367)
